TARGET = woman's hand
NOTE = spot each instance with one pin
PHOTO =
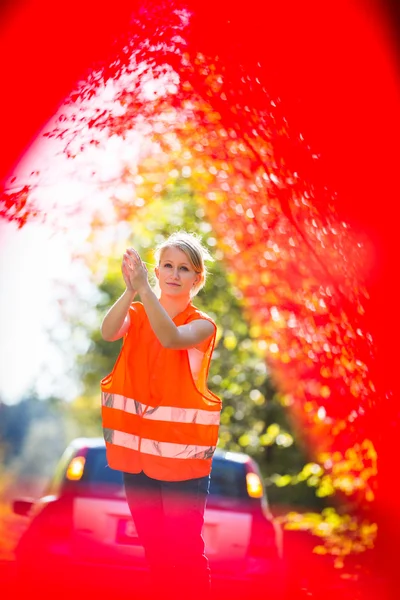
(134, 271)
(126, 271)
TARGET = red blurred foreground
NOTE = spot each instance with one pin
(333, 67)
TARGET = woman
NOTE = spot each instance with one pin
(160, 421)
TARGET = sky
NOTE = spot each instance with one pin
(41, 280)
(42, 283)
(34, 265)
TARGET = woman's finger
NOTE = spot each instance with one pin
(135, 253)
(127, 263)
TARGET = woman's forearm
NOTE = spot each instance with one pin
(115, 317)
(161, 323)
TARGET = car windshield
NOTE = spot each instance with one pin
(227, 476)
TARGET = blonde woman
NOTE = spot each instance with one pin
(160, 420)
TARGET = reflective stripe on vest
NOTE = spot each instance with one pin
(161, 413)
(134, 442)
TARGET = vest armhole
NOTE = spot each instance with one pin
(210, 340)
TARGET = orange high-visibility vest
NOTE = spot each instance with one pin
(155, 417)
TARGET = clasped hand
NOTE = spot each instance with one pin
(134, 271)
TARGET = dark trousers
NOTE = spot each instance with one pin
(169, 517)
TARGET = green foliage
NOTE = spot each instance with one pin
(253, 419)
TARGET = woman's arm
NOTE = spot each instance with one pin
(116, 322)
(169, 335)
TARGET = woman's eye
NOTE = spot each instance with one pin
(184, 269)
(167, 265)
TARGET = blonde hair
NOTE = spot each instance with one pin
(191, 245)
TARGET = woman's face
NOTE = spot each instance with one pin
(175, 273)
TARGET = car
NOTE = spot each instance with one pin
(80, 533)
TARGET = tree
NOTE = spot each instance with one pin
(253, 417)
